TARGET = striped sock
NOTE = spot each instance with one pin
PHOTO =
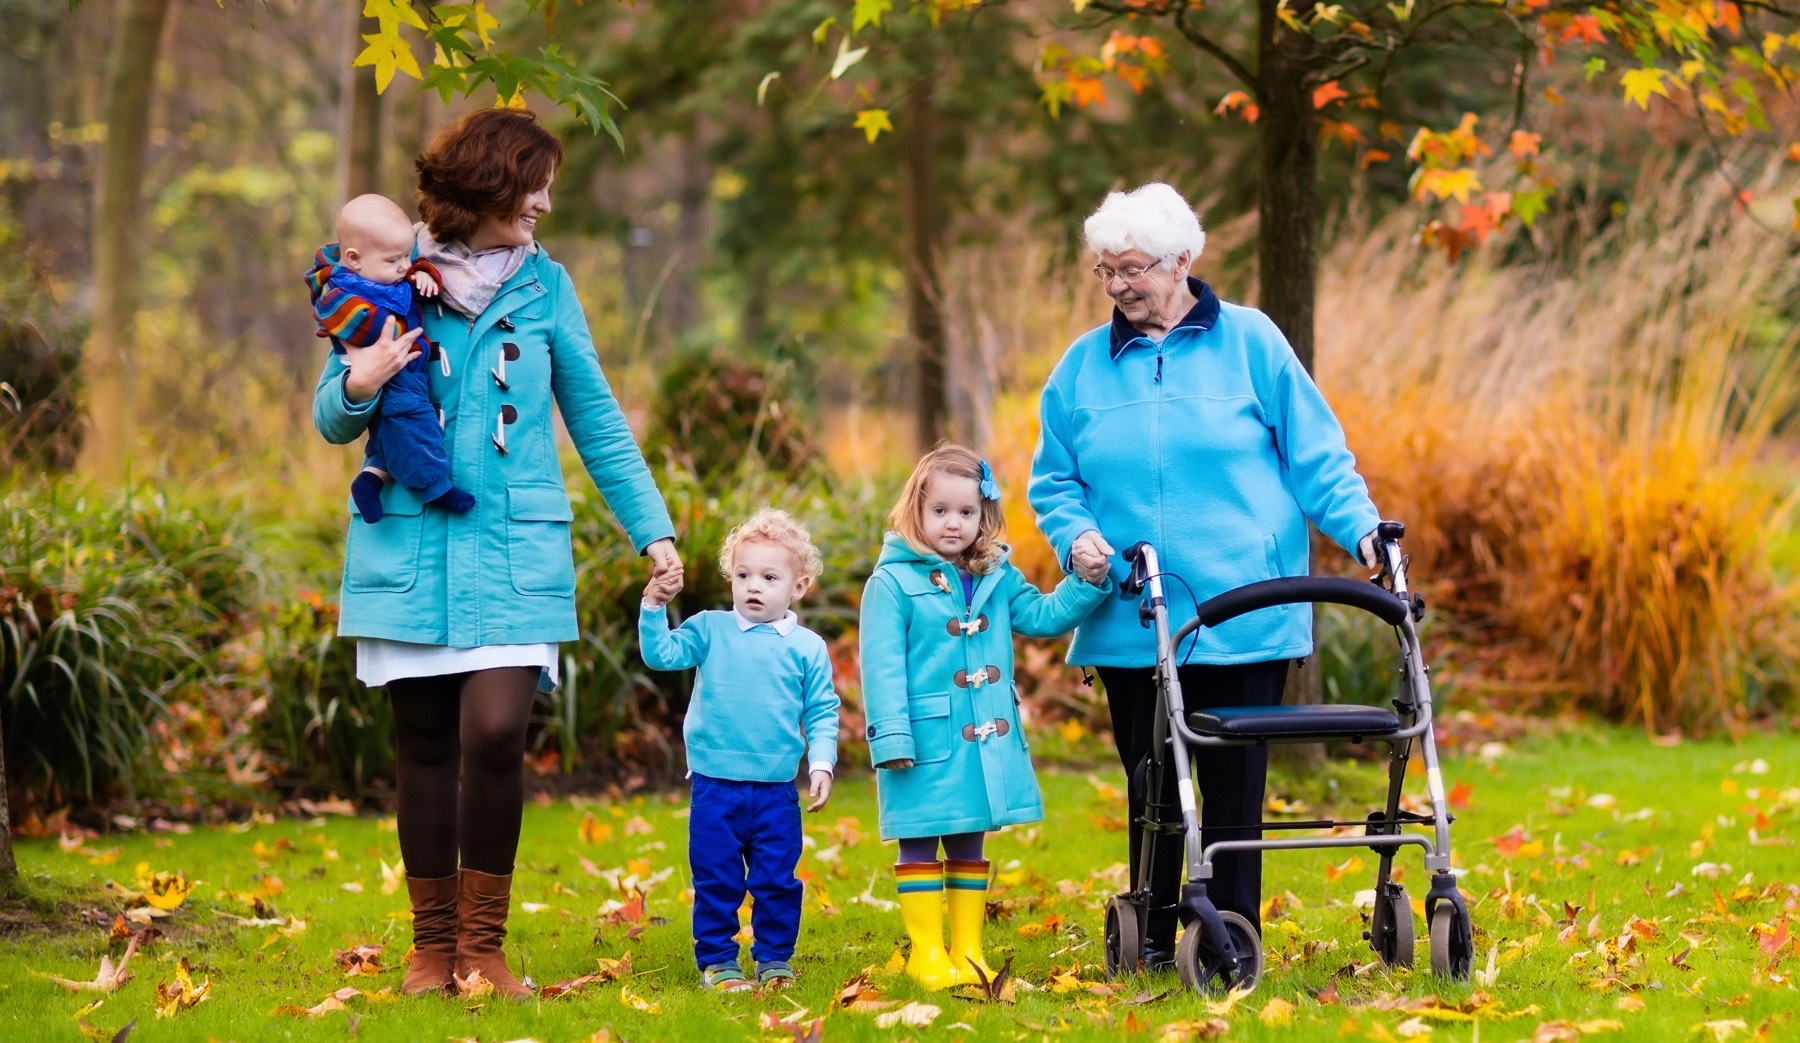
(919, 877)
(966, 876)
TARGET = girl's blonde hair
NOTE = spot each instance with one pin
(907, 517)
(778, 527)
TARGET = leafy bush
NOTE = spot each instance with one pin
(108, 602)
(40, 412)
(714, 410)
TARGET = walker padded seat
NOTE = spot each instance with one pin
(1337, 721)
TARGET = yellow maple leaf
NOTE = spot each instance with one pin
(872, 122)
(478, 16)
(391, 13)
(388, 54)
(1639, 84)
(1446, 184)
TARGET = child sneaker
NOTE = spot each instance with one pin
(775, 974)
(725, 978)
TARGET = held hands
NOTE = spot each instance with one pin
(896, 764)
(425, 284)
(661, 590)
(1091, 557)
(372, 367)
(821, 790)
(665, 562)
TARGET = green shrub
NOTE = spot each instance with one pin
(713, 411)
(108, 603)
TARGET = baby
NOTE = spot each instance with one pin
(358, 283)
(764, 681)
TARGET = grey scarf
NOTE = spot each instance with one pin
(470, 279)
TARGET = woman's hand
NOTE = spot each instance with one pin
(1091, 557)
(665, 563)
(896, 764)
(372, 367)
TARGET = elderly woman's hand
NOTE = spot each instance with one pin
(372, 367)
(1091, 556)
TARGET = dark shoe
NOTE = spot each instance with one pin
(1159, 956)
(482, 905)
(434, 936)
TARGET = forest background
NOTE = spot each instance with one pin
(1554, 304)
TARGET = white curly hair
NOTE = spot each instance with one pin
(1153, 218)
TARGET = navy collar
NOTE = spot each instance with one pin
(1202, 316)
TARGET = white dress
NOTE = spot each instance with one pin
(379, 660)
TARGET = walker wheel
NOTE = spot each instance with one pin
(1452, 953)
(1391, 929)
(1204, 968)
(1124, 936)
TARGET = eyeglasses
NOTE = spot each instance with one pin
(1132, 274)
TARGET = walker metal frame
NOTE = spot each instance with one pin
(1221, 950)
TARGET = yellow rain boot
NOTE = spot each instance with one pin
(921, 887)
(965, 891)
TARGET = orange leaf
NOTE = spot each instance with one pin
(1773, 942)
(1459, 794)
(1088, 90)
(1524, 143)
(1793, 152)
(1374, 156)
(1326, 93)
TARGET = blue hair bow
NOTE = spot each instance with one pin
(990, 489)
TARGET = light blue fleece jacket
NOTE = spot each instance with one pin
(757, 691)
(1215, 446)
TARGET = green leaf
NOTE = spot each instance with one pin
(822, 29)
(868, 12)
(1594, 67)
(1529, 205)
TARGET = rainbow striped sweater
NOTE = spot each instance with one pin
(351, 309)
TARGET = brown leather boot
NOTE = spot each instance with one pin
(481, 908)
(434, 935)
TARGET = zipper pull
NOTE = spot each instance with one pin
(1159, 366)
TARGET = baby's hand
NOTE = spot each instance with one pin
(425, 284)
(821, 790)
(896, 764)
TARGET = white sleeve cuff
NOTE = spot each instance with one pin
(824, 766)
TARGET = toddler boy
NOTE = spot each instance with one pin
(764, 682)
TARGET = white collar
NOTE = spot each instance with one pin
(783, 626)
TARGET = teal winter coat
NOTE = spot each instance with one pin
(938, 689)
(502, 573)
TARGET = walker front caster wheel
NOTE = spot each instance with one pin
(1205, 967)
(1452, 942)
(1124, 936)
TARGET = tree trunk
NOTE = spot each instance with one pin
(109, 365)
(359, 164)
(1288, 163)
(9, 869)
(924, 291)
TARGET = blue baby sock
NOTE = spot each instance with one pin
(456, 501)
(365, 489)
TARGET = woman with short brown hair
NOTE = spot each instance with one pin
(459, 615)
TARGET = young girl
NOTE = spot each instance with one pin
(938, 618)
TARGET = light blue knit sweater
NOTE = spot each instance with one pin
(757, 693)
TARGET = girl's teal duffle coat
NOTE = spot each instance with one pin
(502, 573)
(937, 675)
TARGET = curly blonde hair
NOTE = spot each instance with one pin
(908, 516)
(778, 527)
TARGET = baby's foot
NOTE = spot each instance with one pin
(456, 501)
(365, 490)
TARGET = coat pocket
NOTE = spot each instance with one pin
(537, 539)
(930, 727)
(384, 555)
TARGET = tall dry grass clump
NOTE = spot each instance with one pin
(1589, 451)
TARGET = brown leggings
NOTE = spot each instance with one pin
(467, 728)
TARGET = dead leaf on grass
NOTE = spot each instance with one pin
(108, 979)
(181, 994)
(912, 1015)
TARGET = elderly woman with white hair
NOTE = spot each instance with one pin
(1189, 422)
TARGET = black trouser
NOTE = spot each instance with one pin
(1230, 778)
(461, 740)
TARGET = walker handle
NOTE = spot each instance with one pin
(1302, 590)
(1140, 569)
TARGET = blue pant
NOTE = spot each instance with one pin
(744, 836)
(405, 439)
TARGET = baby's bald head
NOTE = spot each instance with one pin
(376, 237)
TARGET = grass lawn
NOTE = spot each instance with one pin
(1623, 887)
